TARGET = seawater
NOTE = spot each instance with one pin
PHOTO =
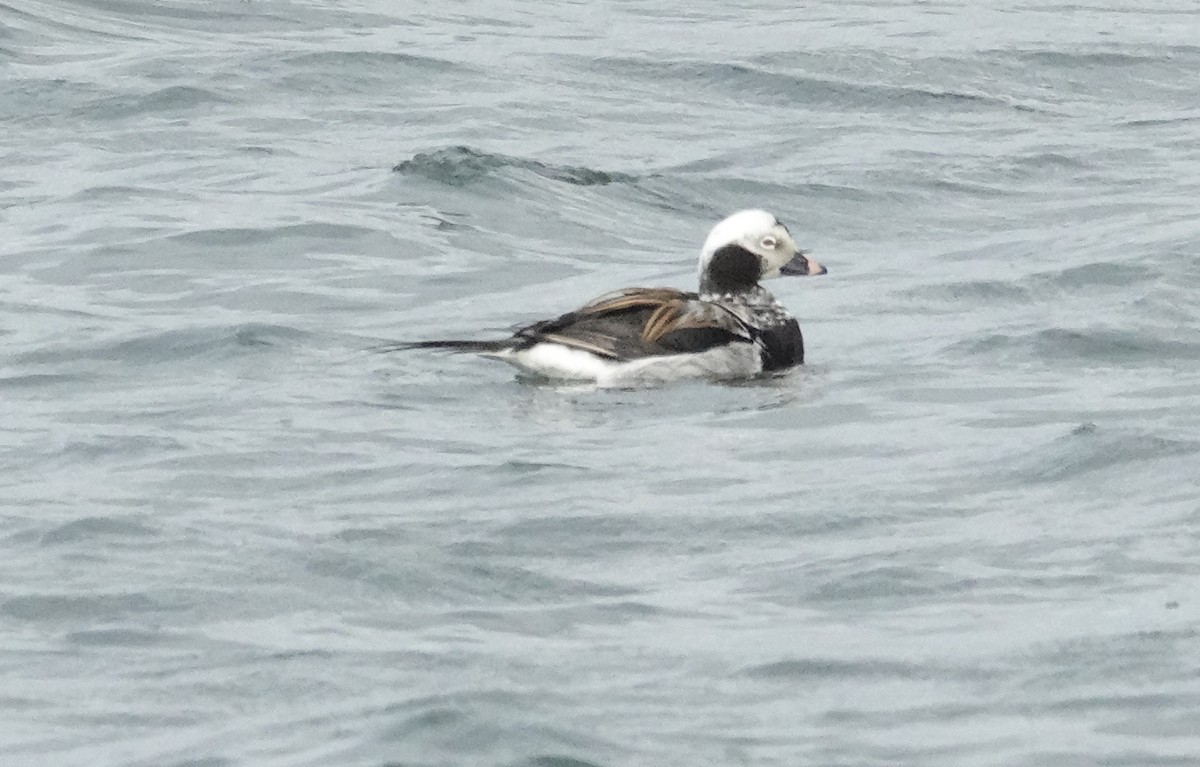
(232, 534)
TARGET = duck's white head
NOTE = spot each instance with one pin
(749, 246)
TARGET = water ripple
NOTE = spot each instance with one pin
(745, 80)
(92, 528)
(1104, 347)
(171, 100)
(1089, 448)
(462, 165)
(70, 607)
(169, 346)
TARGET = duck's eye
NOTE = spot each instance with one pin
(769, 243)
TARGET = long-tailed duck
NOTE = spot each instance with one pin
(731, 328)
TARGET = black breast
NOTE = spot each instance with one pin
(782, 345)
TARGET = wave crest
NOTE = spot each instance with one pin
(462, 165)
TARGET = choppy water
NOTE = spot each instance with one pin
(965, 534)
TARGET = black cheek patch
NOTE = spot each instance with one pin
(732, 269)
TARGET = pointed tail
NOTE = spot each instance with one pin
(479, 347)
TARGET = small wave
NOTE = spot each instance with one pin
(554, 761)
(1088, 448)
(119, 637)
(745, 79)
(336, 73)
(1039, 165)
(245, 236)
(816, 669)
(466, 581)
(1096, 274)
(828, 668)
(1096, 345)
(90, 528)
(1092, 60)
(1026, 289)
(71, 607)
(34, 100)
(173, 99)
(119, 193)
(61, 26)
(887, 582)
(340, 60)
(522, 469)
(356, 535)
(38, 380)
(67, 29)
(973, 293)
(1156, 122)
(487, 724)
(462, 165)
(1044, 159)
(169, 345)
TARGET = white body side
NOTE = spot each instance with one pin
(553, 360)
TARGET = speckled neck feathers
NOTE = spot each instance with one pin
(756, 306)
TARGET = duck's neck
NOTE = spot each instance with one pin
(753, 296)
(757, 306)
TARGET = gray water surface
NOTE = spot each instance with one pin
(966, 533)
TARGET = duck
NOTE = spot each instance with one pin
(730, 328)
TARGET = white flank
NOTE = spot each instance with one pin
(556, 361)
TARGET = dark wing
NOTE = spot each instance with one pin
(641, 322)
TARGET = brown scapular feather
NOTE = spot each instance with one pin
(632, 298)
(607, 326)
(578, 343)
(664, 319)
(669, 309)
